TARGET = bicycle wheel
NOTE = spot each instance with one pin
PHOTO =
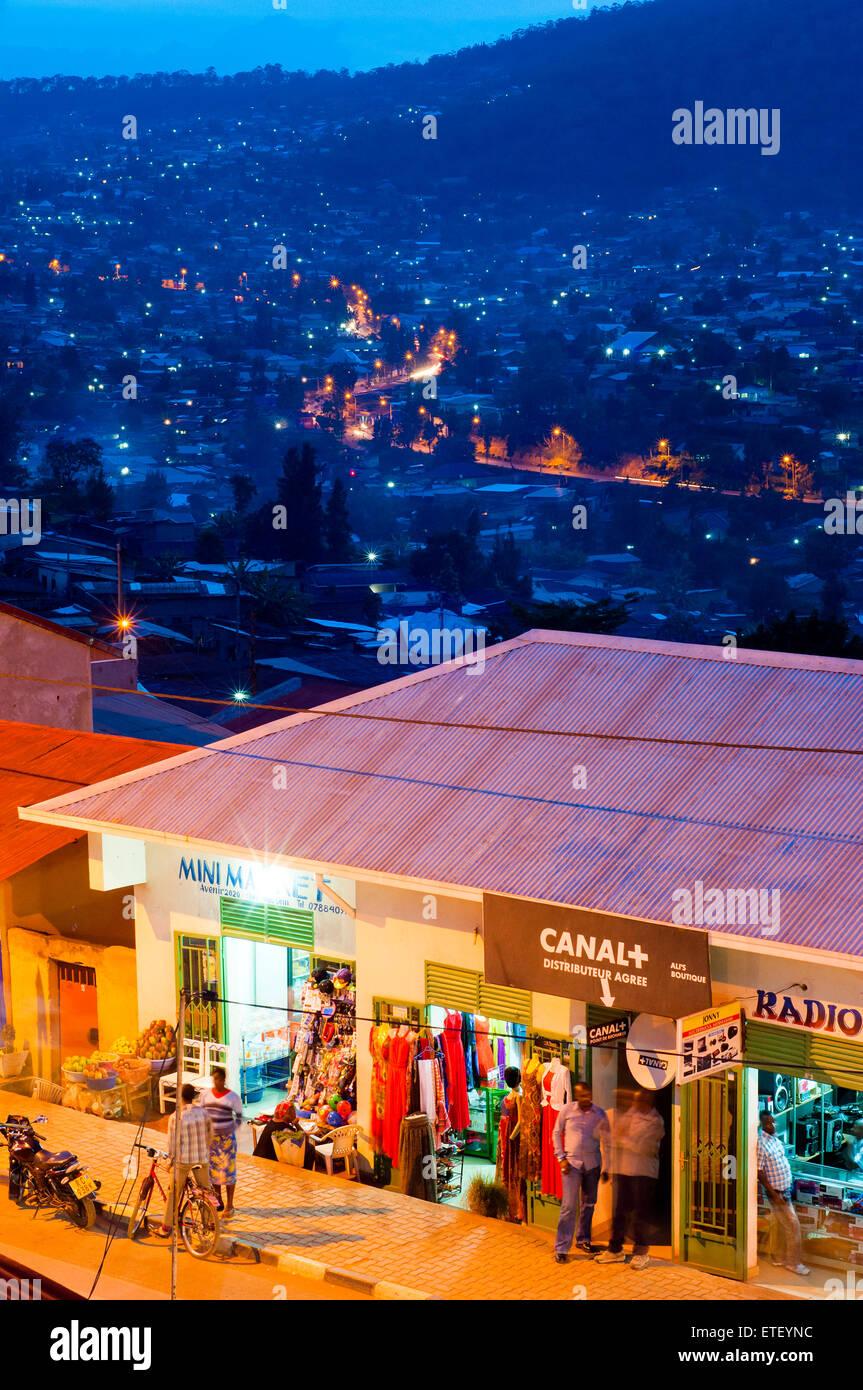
(138, 1220)
(199, 1225)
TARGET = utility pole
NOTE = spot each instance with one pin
(119, 584)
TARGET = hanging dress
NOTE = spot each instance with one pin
(530, 1147)
(456, 1076)
(397, 1052)
(556, 1084)
(508, 1170)
(485, 1062)
(377, 1039)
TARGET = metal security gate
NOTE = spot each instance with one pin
(198, 968)
(713, 1173)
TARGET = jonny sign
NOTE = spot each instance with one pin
(620, 962)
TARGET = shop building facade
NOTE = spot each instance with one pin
(384, 859)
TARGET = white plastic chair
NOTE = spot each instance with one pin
(46, 1090)
(340, 1146)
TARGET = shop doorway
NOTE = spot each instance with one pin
(713, 1185)
(264, 982)
(197, 970)
(495, 1025)
(79, 1010)
(614, 1086)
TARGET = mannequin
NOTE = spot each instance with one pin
(508, 1170)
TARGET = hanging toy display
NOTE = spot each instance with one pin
(325, 1065)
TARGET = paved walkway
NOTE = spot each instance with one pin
(404, 1246)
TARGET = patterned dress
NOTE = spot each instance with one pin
(508, 1167)
(530, 1147)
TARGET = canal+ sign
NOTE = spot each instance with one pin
(598, 957)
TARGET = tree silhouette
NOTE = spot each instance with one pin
(340, 546)
(299, 492)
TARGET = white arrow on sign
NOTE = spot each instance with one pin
(607, 996)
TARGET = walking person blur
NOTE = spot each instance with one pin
(195, 1132)
(225, 1111)
(638, 1134)
(581, 1141)
(774, 1174)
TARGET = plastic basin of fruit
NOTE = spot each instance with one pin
(101, 1083)
(158, 1064)
(74, 1076)
(107, 1059)
(132, 1072)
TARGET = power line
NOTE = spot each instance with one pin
(319, 713)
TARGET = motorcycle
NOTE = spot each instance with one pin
(48, 1179)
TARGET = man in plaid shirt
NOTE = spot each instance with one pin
(774, 1174)
(196, 1131)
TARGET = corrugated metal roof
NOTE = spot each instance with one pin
(492, 810)
(37, 761)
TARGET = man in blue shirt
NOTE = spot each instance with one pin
(581, 1141)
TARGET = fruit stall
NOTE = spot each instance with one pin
(117, 1083)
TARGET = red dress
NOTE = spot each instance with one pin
(396, 1052)
(552, 1185)
(507, 1170)
(485, 1062)
(456, 1074)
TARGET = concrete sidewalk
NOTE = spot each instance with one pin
(380, 1242)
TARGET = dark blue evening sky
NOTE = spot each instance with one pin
(95, 37)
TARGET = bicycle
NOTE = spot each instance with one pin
(197, 1212)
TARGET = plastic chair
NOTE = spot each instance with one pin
(340, 1146)
(46, 1090)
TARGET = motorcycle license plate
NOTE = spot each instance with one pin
(83, 1186)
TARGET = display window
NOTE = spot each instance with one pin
(819, 1124)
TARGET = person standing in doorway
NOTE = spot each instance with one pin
(637, 1137)
(581, 1141)
(225, 1110)
(774, 1174)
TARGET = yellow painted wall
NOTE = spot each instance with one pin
(35, 993)
(49, 913)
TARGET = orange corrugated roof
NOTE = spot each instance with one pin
(38, 762)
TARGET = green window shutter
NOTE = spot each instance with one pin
(452, 988)
(498, 1001)
(775, 1049)
(282, 926)
(833, 1062)
(243, 919)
